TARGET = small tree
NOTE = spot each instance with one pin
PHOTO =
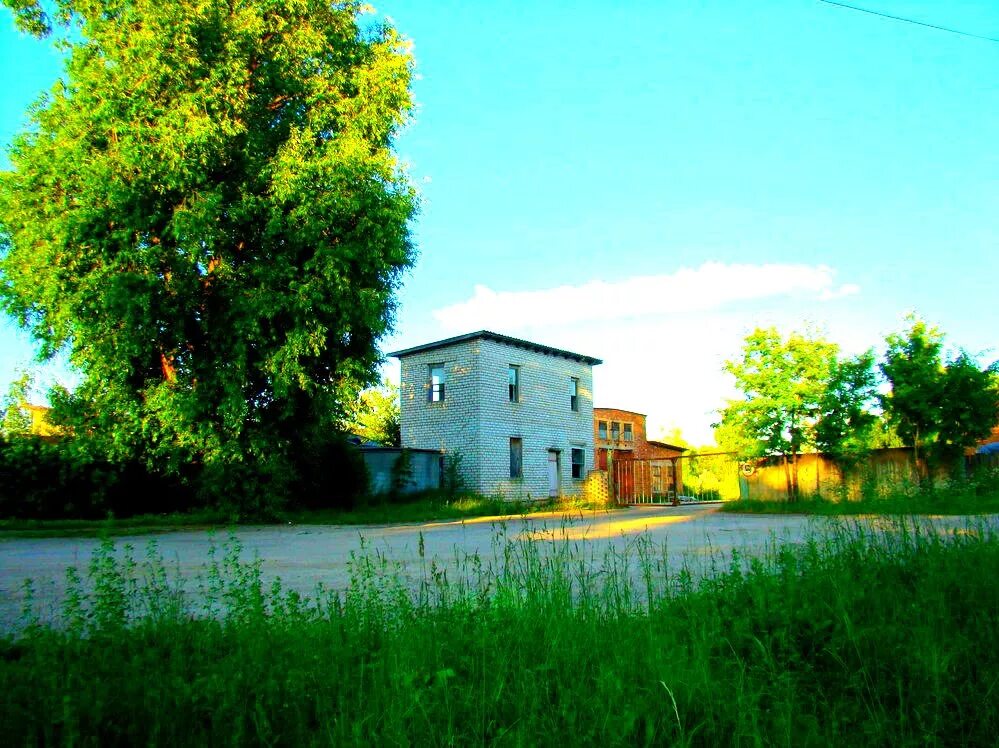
(846, 420)
(970, 406)
(913, 368)
(783, 382)
(938, 408)
(15, 419)
(376, 416)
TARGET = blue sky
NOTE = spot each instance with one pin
(648, 182)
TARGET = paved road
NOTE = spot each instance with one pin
(306, 555)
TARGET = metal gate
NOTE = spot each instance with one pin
(645, 481)
(690, 477)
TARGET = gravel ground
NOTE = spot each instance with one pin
(303, 556)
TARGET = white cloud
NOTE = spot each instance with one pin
(712, 286)
(849, 289)
(664, 338)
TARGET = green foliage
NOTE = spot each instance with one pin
(783, 383)
(975, 494)
(375, 416)
(970, 406)
(846, 423)
(801, 645)
(913, 368)
(453, 481)
(68, 479)
(14, 418)
(42, 479)
(939, 408)
(207, 215)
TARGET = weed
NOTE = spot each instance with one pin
(864, 636)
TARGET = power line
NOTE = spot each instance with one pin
(909, 20)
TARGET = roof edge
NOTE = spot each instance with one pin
(497, 337)
(621, 410)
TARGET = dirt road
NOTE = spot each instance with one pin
(304, 556)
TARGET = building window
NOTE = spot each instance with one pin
(602, 430)
(577, 463)
(516, 457)
(615, 431)
(513, 376)
(435, 392)
(574, 394)
(627, 432)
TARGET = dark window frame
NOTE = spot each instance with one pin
(574, 394)
(516, 457)
(436, 392)
(581, 464)
(513, 382)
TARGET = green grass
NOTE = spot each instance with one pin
(143, 524)
(960, 498)
(855, 638)
(424, 509)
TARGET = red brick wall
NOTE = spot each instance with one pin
(639, 448)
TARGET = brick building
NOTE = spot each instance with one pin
(619, 435)
(519, 415)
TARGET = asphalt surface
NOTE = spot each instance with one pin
(305, 556)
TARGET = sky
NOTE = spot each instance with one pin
(646, 182)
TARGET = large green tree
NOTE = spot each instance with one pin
(207, 214)
(783, 381)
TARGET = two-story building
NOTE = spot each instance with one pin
(619, 435)
(516, 416)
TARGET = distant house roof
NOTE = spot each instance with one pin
(667, 446)
(505, 339)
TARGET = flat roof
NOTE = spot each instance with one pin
(505, 339)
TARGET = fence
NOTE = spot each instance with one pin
(693, 477)
(721, 476)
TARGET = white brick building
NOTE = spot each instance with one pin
(519, 414)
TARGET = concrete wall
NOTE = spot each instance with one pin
(882, 471)
(477, 419)
(452, 425)
(424, 469)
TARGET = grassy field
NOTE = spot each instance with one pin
(959, 498)
(375, 513)
(856, 638)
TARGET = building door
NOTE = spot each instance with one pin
(553, 472)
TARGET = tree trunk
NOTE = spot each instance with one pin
(168, 368)
(915, 457)
(787, 478)
(794, 475)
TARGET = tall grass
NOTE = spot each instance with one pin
(858, 637)
(977, 494)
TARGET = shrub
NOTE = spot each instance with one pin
(42, 479)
